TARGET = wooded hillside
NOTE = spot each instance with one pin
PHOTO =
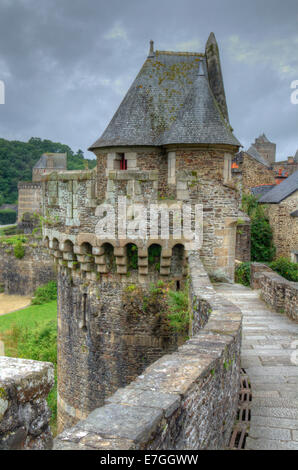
(18, 158)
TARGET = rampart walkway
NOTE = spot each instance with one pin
(270, 358)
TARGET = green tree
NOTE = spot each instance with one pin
(18, 158)
(262, 247)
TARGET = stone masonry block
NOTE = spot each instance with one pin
(121, 269)
(119, 251)
(143, 270)
(143, 262)
(98, 250)
(101, 268)
(166, 253)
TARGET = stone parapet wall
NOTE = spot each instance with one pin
(23, 276)
(184, 400)
(24, 413)
(276, 291)
(256, 271)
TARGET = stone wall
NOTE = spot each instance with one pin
(71, 198)
(285, 227)
(243, 239)
(279, 293)
(23, 276)
(105, 339)
(252, 173)
(24, 413)
(184, 400)
(29, 199)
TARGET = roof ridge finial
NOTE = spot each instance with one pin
(151, 50)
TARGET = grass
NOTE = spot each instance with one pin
(13, 240)
(31, 333)
(179, 310)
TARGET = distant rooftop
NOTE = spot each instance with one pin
(260, 190)
(52, 161)
(252, 151)
(282, 190)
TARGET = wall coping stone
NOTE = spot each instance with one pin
(24, 414)
(276, 291)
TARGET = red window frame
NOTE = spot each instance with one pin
(123, 163)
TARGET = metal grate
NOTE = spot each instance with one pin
(240, 430)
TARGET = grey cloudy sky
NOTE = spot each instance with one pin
(67, 64)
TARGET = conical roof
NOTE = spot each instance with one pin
(200, 120)
(168, 102)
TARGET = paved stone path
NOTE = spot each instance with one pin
(268, 344)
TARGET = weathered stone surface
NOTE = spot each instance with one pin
(279, 293)
(184, 400)
(24, 413)
(274, 405)
(146, 398)
(122, 421)
(23, 276)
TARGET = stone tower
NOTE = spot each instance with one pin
(169, 146)
(265, 148)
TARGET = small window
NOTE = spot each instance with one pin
(123, 162)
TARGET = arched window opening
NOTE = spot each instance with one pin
(132, 257)
(154, 253)
(69, 255)
(177, 260)
(55, 244)
(68, 246)
(86, 249)
(109, 257)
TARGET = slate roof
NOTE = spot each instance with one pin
(170, 101)
(282, 190)
(59, 161)
(294, 214)
(259, 191)
(252, 151)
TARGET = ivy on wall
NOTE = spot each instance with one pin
(262, 247)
